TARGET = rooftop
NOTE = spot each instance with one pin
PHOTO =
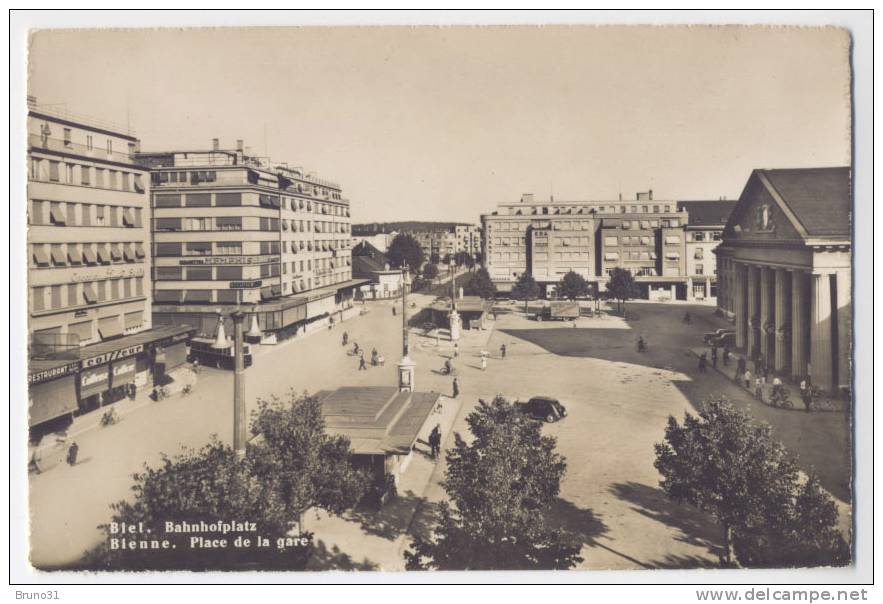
(820, 198)
(707, 212)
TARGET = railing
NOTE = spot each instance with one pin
(35, 142)
(85, 120)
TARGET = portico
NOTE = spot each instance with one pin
(785, 265)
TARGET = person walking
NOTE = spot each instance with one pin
(483, 361)
(758, 388)
(747, 378)
(435, 441)
(362, 365)
(374, 357)
(702, 363)
(714, 357)
(393, 310)
(456, 388)
(503, 351)
(344, 339)
(805, 395)
(726, 355)
(72, 452)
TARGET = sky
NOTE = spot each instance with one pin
(445, 123)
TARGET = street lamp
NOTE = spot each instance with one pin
(406, 365)
(454, 318)
(238, 385)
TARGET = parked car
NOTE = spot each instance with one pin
(727, 340)
(542, 408)
(716, 334)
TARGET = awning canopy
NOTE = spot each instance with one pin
(51, 399)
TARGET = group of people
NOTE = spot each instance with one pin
(376, 358)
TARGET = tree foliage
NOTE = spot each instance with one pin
(526, 288)
(501, 485)
(404, 250)
(725, 464)
(296, 466)
(621, 286)
(464, 259)
(430, 271)
(572, 286)
(480, 284)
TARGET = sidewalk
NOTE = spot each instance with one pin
(826, 404)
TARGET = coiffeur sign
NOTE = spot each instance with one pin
(113, 355)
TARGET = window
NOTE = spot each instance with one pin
(74, 255)
(611, 256)
(112, 181)
(124, 181)
(198, 248)
(55, 296)
(41, 258)
(167, 224)
(672, 240)
(109, 146)
(199, 273)
(56, 214)
(716, 236)
(672, 256)
(198, 200)
(58, 256)
(168, 273)
(698, 236)
(116, 252)
(89, 255)
(88, 142)
(38, 295)
(138, 183)
(168, 249)
(697, 255)
(228, 223)
(99, 177)
(53, 171)
(229, 273)
(102, 254)
(228, 199)
(229, 248)
(700, 269)
(197, 224)
(167, 201)
(67, 137)
(84, 175)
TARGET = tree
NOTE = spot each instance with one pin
(446, 259)
(501, 485)
(572, 286)
(430, 271)
(480, 284)
(621, 286)
(296, 466)
(526, 288)
(464, 259)
(727, 465)
(434, 258)
(404, 250)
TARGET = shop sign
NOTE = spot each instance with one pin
(245, 284)
(48, 374)
(210, 260)
(113, 355)
(111, 272)
(89, 378)
(124, 368)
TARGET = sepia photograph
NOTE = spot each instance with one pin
(305, 298)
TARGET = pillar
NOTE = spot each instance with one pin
(766, 312)
(674, 291)
(821, 361)
(799, 325)
(739, 298)
(708, 288)
(689, 288)
(751, 311)
(844, 329)
(783, 319)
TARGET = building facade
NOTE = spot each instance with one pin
(784, 264)
(372, 264)
(232, 231)
(89, 271)
(550, 238)
(705, 225)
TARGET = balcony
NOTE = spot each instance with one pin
(38, 143)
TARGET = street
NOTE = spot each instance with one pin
(618, 401)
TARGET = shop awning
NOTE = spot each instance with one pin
(123, 371)
(89, 293)
(74, 254)
(129, 252)
(139, 250)
(115, 252)
(103, 256)
(58, 257)
(109, 328)
(40, 255)
(51, 399)
(89, 255)
(94, 381)
(57, 215)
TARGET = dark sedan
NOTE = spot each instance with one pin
(543, 408)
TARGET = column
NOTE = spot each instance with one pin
(844, 329)
(708, 287)
(766, 313)
(739, 287)
(783, 318)
(799, 325)
(751, 311)
(689, 288)
(820, 360)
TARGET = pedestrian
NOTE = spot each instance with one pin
(132, 391)
(456, 388)
(456, 350)
(374, 357)
(747, 378)
(726, 355)
(758, 388)
(362, 365)
(72, 454)
(344, 339)
(195, 365)
(483, 362)
(805, 394)
(434, 441)
(714, 357)
(702, 363)
(393, 310)
(503, 350)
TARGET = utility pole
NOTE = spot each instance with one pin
(238, 385)
(404, 311)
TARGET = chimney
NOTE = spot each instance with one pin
(216, 144)
(651, 194)
(239, 145)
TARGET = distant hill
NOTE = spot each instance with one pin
(374, 228)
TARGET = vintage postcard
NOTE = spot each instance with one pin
(439, 298)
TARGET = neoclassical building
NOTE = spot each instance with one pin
(784, 267)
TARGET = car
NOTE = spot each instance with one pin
(716, 334)
(726, 340)
(543, 408)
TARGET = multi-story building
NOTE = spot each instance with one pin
(233, 231)
(703, 234)
(437, 239)
(551, 238)
(89, 277)
(468, 239)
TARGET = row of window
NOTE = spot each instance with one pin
(61, 213)
(47, 170)
(195, 177)
(232, 296)
(247, 223)
(74, 295)
(701, 236)
(613, 209)
(60, 255)
(228, 200)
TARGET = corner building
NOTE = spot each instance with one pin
(236, 232)
(785, 271)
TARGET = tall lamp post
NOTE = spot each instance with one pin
(406, 365)
(454, 318)
(238, 385)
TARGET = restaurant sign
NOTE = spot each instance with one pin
(47, 374)
(210, 260)
(113, 355)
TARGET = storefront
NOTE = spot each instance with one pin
(52, 390)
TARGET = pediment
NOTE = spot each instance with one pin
(760, 216)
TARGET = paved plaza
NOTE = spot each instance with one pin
(618, 401)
